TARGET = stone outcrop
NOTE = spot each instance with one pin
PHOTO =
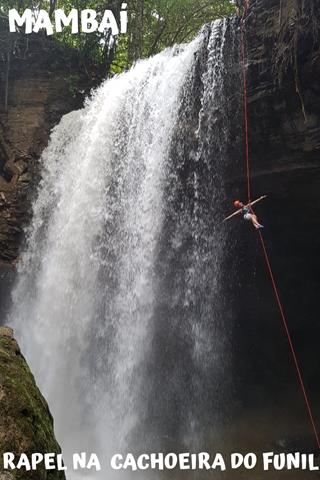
(26, 425)
(45, 81)
(284, 95)
(283, 60)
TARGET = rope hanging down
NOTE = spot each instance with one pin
(245, 106)
(263, 245)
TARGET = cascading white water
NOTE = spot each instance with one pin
(86, 304)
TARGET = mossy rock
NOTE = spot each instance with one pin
(26, 425)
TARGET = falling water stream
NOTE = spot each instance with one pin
(119, 302)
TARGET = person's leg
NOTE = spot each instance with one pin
(255, 222)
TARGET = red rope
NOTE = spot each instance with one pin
(245, 104)
(268, 263)
(294, 355)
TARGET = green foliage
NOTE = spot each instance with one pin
(152, 26)
(73, 84)
(120, 62)
(156, 24)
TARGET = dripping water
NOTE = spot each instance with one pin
(119, 303)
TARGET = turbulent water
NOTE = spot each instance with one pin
(119, 306)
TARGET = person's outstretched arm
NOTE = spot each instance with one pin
(233, 214)
(256, 201)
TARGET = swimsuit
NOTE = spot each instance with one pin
(246, 213)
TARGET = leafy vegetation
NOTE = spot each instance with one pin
(152, 26)
(156, 24)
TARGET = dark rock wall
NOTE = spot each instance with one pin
(46, 81)
(284, 65)
(283, 58)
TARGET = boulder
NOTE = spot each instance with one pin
(26, 425)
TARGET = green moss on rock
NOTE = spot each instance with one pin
(26, 425)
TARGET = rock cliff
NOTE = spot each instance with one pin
(26, 425)
(45, 81)
(283, 63)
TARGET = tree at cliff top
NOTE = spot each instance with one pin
(152, 26)
(157, 24)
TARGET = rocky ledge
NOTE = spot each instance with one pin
(26, 425)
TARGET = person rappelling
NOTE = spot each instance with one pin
(247, 212)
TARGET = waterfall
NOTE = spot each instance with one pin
(119, 304)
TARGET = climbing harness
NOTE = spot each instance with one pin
(263, 245)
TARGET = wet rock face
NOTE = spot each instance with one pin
(283, 53)
(45, 82)
(284, 94)
(283, 58)
(26, 425)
